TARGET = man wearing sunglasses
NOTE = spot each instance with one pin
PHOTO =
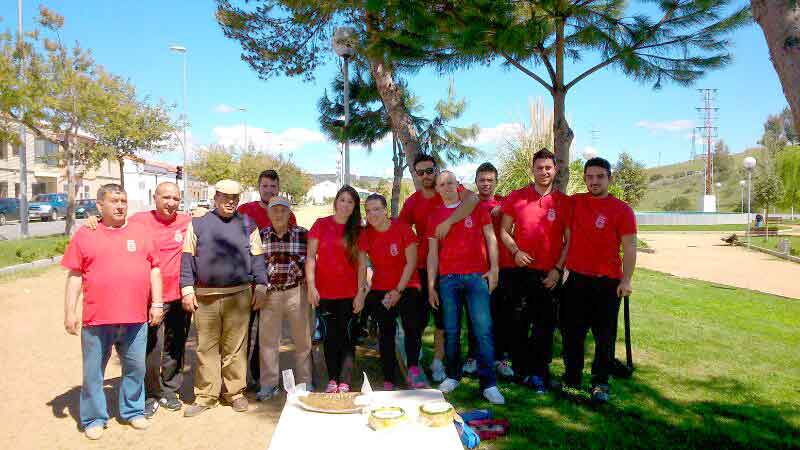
(416, 210)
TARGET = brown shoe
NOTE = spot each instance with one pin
(195, 410)
(240, 404)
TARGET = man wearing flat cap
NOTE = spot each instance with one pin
(285, 253)
(222, 256)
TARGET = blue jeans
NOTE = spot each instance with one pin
(454, 291)
(96, 343)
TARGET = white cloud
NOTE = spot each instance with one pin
(222, 108)
(498, 134)
(465, 172)
(261, 139)
(670, 126)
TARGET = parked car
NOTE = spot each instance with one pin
(85, 208)
(9, 210)
(48, 207)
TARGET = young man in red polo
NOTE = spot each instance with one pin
(416, 210)
(598, 278)
(116, 269)
(539, 216)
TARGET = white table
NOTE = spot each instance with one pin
(301, 429)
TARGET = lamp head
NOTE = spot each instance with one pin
(749, 163)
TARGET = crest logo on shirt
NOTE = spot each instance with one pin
(468, 222)
(600, 222)
(393, 250)
(551, 215)
(131, 245)
(178, 236)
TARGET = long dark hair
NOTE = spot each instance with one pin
(352, 227)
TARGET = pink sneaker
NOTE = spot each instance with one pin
(416, 378)
(332, 388)
(344, 388)
(388, 386)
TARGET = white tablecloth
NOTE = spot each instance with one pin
(301, 429)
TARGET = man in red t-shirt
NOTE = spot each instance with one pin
(539, 216)
(269, 185)
(465, 264)
(166, 343)
(416, 210)
(597, 277)
(116, 269)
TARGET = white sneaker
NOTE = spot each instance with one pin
(470, 366)
(94, 433)
(437, 370)
(449, 385)
(493, 395)
(140, 423)
(504, 368)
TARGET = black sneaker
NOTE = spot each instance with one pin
(537, 384)
(172, 404)
(600, 393)
(620, 370)
(150, 408)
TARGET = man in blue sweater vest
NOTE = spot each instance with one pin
(222, 257)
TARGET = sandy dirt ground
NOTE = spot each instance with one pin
(703, 256)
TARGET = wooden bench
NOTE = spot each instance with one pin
(774, 219)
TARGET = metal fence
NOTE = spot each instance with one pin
(691, 218)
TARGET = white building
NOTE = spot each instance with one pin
(321, 193)
(142, 176)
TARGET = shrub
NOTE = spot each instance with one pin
(680, 203)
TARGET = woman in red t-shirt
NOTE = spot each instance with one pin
(335, 276)
(392, 249)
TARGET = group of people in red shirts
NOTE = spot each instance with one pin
(521, 266)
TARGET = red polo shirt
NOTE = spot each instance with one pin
(598, 225)
(168, 238)
(539, 224)
(115, 264)
(416, 211)
(504, 256)
(335, 276)
(387, 251)
(463, 250)
(258, 212)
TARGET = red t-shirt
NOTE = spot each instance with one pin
(336, 277)
(539, 224)
(387, 251)
(463, 250)
(598, 225)
(168, 238)
(504, 256)
(416, 211)
(115, 263)
(256, 211)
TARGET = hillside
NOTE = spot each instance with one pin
(686, 179)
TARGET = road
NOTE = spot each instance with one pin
(37, 228)
(703, 256)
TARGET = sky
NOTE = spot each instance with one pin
(606, 110)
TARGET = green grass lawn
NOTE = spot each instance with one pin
(727, 227)
(772, 243)
(32, 249)
(716, 368)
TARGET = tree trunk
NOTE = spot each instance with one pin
(121, 163)
(397, 180)
(69, 159)
(562, 139)
(780, 22)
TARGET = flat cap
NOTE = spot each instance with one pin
(228, 187)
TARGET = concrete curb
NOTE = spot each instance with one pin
(770, 252)
(31, 265)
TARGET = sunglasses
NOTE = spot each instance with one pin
(429, 171)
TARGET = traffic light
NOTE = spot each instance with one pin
(178, 173)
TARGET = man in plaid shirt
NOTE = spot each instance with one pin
(285, 251)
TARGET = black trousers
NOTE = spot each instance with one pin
(589, 303)
(532, 323)
(166, 345)
(426, 310)
(339, 344)
(408, 309)
(253, 351)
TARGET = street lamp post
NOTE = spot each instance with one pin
(186, 200)
(23, 150)
(742, 184)
(749, 165)
(244, 110)
(716, 198)
(344, 46)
